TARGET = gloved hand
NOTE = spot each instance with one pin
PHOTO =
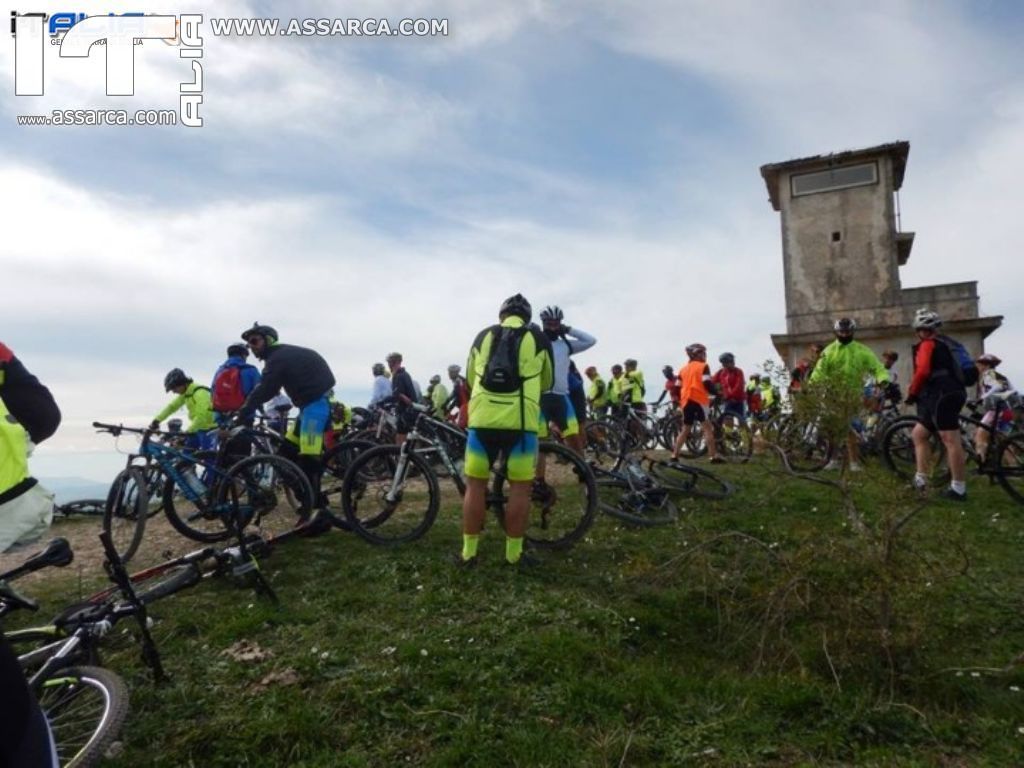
(911, 399)
(154, 425)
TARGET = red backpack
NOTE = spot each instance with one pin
(227, 390)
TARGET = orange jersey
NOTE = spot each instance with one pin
(692, 377)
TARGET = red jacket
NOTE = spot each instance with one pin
(731, 384)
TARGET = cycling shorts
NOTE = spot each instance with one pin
(485, 446)
(308, 432)
(941, 411)
(558, 409)
(578, 399)
(694, 412)
(735, 408)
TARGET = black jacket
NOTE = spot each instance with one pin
(28, 401)
(401, 384)
(303, 373)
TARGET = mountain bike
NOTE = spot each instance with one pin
(391, 494)
(202, 498)
(733, 437)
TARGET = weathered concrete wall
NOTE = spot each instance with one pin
(857, 276)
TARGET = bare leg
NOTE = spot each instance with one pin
(474, 506)
(709, 438)
(922, 449)
(955, 453)
(517, 510)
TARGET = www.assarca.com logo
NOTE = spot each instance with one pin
(117, 36)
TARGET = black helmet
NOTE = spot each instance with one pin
(175, 378)
(727, 358)
(552, 312)
(629, 362)
(265, 331)
(516, 305)
(669, 372)
(845, 325)
(238, 350)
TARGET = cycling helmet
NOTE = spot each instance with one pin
(696, 350)
(238, 350)
(591, 370)
(630, 362)
(552, 312)
(516, 305)
(394, 357)
(669, 372)
(925, 318)
(265, 331)
(175, 378)
(989, 360)
(378, 369)
(454, 369)
(845, 325)
(435, 379)
(727, 358)
(892, 353)
(616, 368)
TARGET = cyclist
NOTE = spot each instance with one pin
(729, 381)
(556, 407)
(848, 363)
(459, 397)
(307, 380)
(202, 425)
(404, 393)
(231, 384)
(633, 389)
(578, 398)
(615, 389)
(936, 390)
(28, 415)
(998, 397)
(892, 392)
(597, 395)
(805, 367)
(504, 422)
(694, 398)
(437, 394)
(754, 403)
(672, 386)
(381, 385)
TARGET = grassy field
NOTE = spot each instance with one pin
(761, 630)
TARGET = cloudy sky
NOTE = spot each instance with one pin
(364, 195)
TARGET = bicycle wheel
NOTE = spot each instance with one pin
(86, 708)
(255, 492)
(1010, 465)
(805, 447)
(124, 514)
(604, 447)
(693, 481)
(668, 429)
(200, 520)
(561, 509)
(642, 507)
(389, 498)
(898, 452)
(336, 463)
(735, 442)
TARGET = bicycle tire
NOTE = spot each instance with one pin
(372, 477)
(604, 446)
(735, 440)
(86, 708)
(336, 462)
(125, 511)
(806, 449)
(1009, 465)
(563, 510)
(690, 480)
(202, 523)
(899, 456)
(255, 490)
(643, 508)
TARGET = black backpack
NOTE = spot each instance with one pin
(501, 374)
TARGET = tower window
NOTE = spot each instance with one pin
(832, 179)
(836, 237)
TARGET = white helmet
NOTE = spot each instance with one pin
(925, 318)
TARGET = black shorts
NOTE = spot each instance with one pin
(694, 412)
(578, 398)
(552, 406)
(405, 418)
(941, 411)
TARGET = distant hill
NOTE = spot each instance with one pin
(74, 488)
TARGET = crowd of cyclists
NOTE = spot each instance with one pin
(519, 385)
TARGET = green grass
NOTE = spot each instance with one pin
(617, 653)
